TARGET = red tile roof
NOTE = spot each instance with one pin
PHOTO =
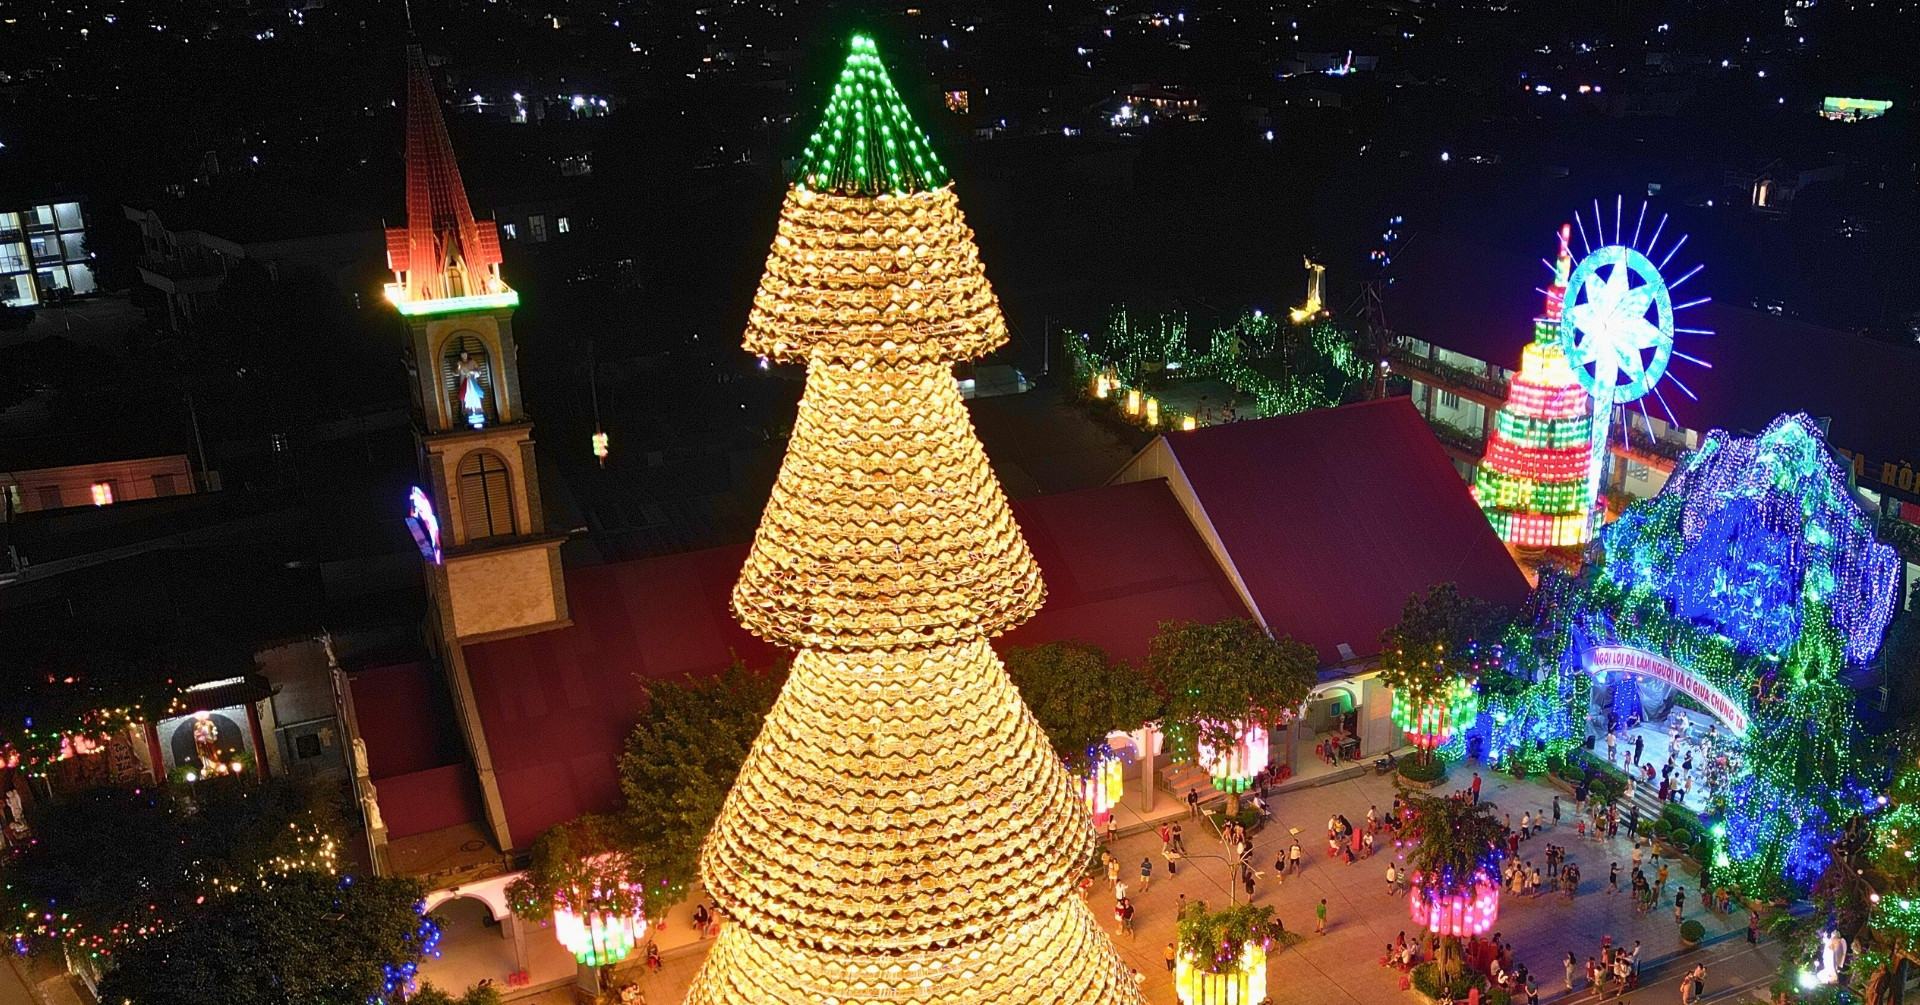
(1333, 517)
(557, 706)
(1118, 561)
(414, 753)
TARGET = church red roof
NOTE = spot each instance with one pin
(557, 706)
(1333, 517)
(1118, 561)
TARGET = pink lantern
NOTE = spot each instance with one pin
(1233, 767)
(1458, 913)
(1103, 785)
(600, 920)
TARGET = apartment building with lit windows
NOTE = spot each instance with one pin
(43, 254)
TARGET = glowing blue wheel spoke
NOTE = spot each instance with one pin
(1617, 328)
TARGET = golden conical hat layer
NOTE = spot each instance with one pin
(891, 278)
(886, 526)
(1058, 958)
(897, 801)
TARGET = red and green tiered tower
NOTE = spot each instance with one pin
(1533, 480)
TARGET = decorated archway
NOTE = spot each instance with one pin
(1745, 589)
(1748, 585)
(1619, 662)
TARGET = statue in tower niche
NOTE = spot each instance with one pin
(473, 400)
(206, 745)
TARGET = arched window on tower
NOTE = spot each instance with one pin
(486, 495)
(466, 373)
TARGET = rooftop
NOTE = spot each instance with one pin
(1332, 518)
(558, 706)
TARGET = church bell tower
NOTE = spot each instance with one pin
(493, 568)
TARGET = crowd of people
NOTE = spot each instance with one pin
(1543, 847)
(1698, 763)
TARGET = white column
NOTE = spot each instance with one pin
(1144, 740)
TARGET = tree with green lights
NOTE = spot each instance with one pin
(1453, 845)
(1215, 941)
(579, 863)
(678, 765)
(1888, 864)
(74, 883)
(1433, 657)
(1079, 696)
(307, 937)
(1216, 678)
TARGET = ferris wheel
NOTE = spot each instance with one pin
(1617, 325)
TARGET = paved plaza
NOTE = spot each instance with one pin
(1343, 965)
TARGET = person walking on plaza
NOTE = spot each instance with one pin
(1293, 857)
(1639, 748)
(1146, 873)
(1320, 916)
(1123, 912)
(1556, 811)
(1679, 903)
(1613, 878)
(1571, 962)
(1753, 928)
(1170, 954)
(1475, 788)
(1166, 838)
(1393, 885)
(1612, 740)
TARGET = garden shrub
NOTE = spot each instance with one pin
(1413, 771)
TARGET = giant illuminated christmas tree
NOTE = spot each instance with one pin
(901, 831)
(1533, 479)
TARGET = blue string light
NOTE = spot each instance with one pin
(1755, 570)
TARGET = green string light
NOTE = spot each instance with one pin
(863, 133)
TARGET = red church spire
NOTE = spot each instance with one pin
(442, 254)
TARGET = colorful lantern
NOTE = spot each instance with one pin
(1103, 784)
(605, 924)
(1234, 767)
(1532, 481)
(1429, 722)
(1238, 980)
(1444, 910)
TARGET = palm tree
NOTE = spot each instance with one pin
(1456, 852)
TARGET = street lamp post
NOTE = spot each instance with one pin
(1235, 864)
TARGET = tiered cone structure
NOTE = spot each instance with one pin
(901, 831)
(1532, 482)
